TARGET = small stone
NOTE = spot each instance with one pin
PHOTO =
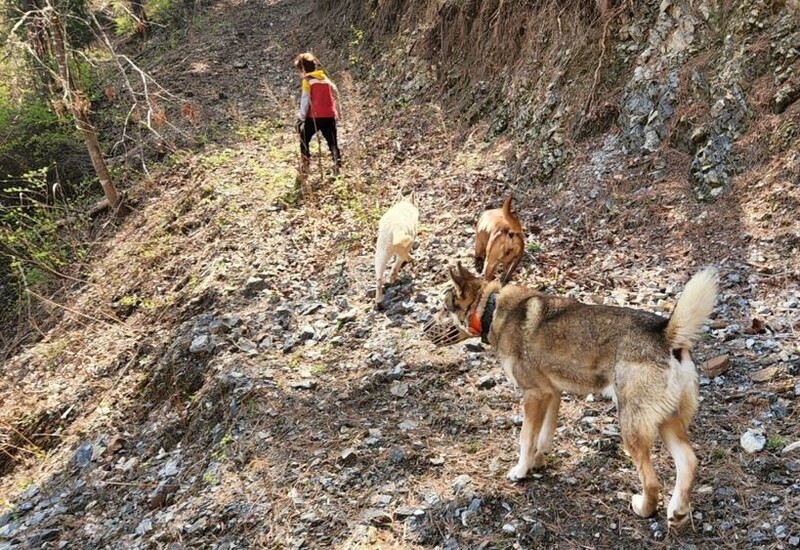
(306, 333)
(247, 346)
(509, 529)
(487, 382)
(254, 285)
(376, 517)
(83, 456)
(716, 366)
(407, 425)
(303, 384)
(398, 389)
(5, 519)
(764, 375)
(145, 526)
(310, 518)
(231, 321)
(7, 531)
(381, 500)
(397, 455)
(404, 512)
(474, 505)
(288, 344)
(170, 468)
(308, 309)
(461, 482)
(202, 344)
(349, 455)
(397, 372)
(158, 497)
(38, 537)
(198, 525)
(347, 316)
(753, 441)
(265, 343)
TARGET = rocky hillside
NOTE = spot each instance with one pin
(215, 376)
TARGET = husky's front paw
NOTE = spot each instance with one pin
(518, 472)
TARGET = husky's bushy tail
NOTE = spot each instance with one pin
(692, 309)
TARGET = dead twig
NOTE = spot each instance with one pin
(116, 322)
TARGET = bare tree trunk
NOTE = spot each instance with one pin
(93, 146)
(78, 107)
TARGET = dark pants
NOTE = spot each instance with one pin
(328, 128)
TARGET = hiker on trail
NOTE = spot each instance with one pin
(317, 111)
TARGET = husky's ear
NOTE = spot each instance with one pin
(412, 198)
(460, 277)
(458, 282)
(465, 273)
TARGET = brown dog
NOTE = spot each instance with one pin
(549, 344)
(499, 239)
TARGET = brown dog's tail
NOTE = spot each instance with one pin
(692, 309)
(507, 206)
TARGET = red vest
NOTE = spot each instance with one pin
(321, 91)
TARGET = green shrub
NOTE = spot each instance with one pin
(37, 237)
(33, 137)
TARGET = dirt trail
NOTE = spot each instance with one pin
(229, 385)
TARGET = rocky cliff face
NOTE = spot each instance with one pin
(653, 77)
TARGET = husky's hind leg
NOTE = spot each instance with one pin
(638, 444)
(675, 437)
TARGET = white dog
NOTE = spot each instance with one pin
(396, 233)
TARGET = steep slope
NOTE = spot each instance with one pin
(222, 381)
